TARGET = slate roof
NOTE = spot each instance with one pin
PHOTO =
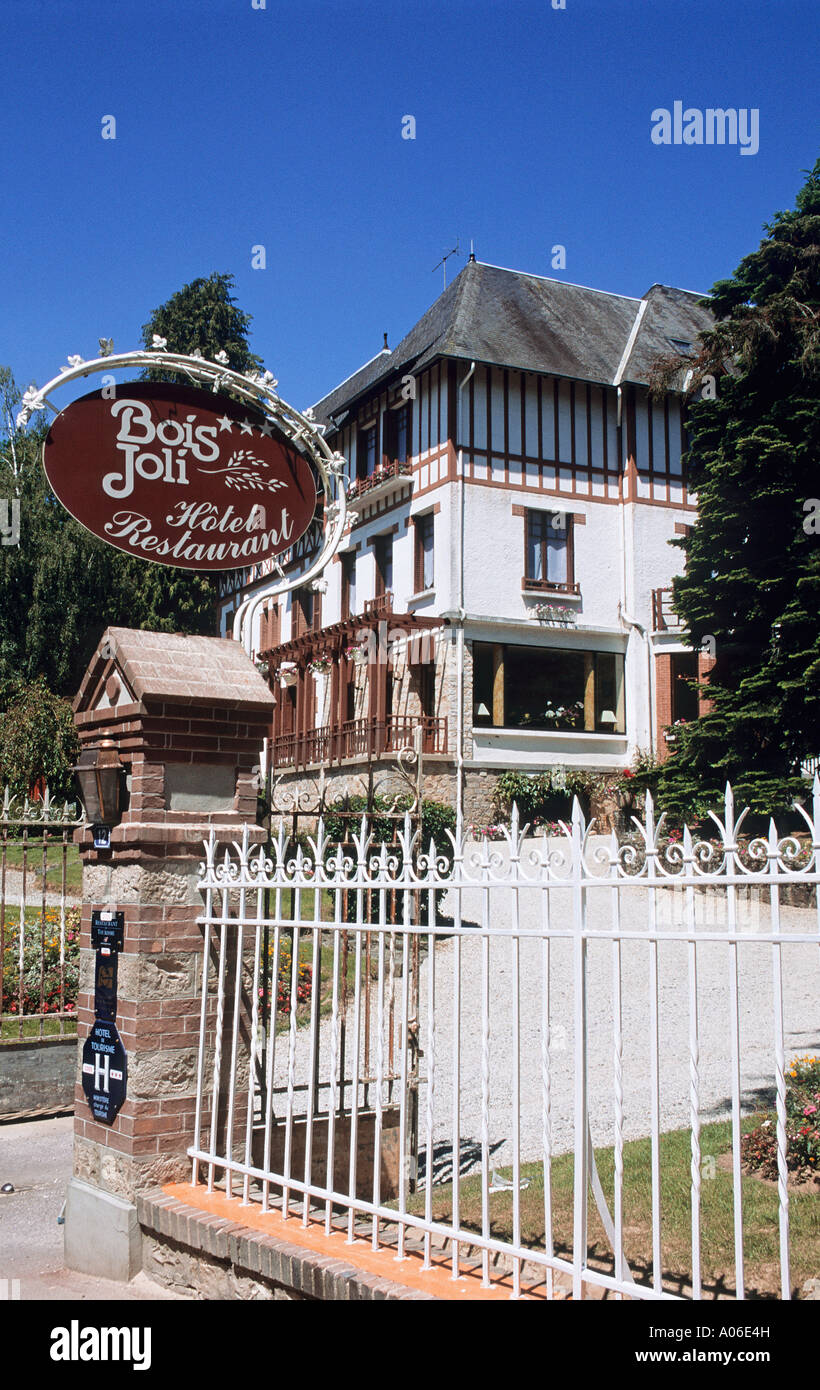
(533, 324)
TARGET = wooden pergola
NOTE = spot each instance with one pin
(342, 737)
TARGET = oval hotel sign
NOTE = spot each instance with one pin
(179, 476)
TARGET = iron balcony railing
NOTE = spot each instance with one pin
(358, 738)
(384, 474)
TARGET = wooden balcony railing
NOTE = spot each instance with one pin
(379, 606)
(359, 738)
(664, 617)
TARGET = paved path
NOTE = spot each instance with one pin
(35, 1157)
(34, 891)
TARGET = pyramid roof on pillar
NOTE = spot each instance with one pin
(135, 667)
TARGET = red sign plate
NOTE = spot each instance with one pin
(179, 476)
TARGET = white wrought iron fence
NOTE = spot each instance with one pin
(534, 1008)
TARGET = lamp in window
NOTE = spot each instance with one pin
(481, 712)
(99, 773)
(608, 717)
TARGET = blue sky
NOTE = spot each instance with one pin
(281, 127)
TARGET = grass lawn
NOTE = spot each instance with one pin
(760, 1216)
(31, 1029)
(54, 861)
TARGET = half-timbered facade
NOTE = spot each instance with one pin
(504, 583)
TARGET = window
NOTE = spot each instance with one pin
(397, 434)
(269, 627)
(366, 452)
(305, 612)
(349, 585)
(287, 710)
(424, 577)
(546, 688)
(684, 696)
(548, 551)
(427, 689)
(384, 565)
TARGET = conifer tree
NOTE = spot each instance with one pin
(203, 317)
(752, 579)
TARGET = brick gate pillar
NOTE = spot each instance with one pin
(187, 716)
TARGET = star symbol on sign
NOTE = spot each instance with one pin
(266, 429)
(246, 427)
(224, 422)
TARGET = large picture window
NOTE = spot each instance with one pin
(547, 688)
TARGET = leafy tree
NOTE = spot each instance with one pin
(38, 740)
(752, 576)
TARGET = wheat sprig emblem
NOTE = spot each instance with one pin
(242, 472)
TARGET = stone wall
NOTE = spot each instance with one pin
(37, 1075)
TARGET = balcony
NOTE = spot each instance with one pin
(379, 607)
(664, 617)
(549, 586)
(388, 478)
(358, 738)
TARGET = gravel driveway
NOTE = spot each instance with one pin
(801, 1012)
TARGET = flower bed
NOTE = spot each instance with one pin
(37, 953)
(304, 984)
(758, 1149)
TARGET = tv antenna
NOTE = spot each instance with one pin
(456, 251)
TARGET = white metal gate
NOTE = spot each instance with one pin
(571, 995)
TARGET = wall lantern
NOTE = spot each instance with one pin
(99, 773)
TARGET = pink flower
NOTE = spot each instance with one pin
(810, 1110)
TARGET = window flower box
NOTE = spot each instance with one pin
(557, 614)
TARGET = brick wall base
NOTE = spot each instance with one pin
(209, 1257)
